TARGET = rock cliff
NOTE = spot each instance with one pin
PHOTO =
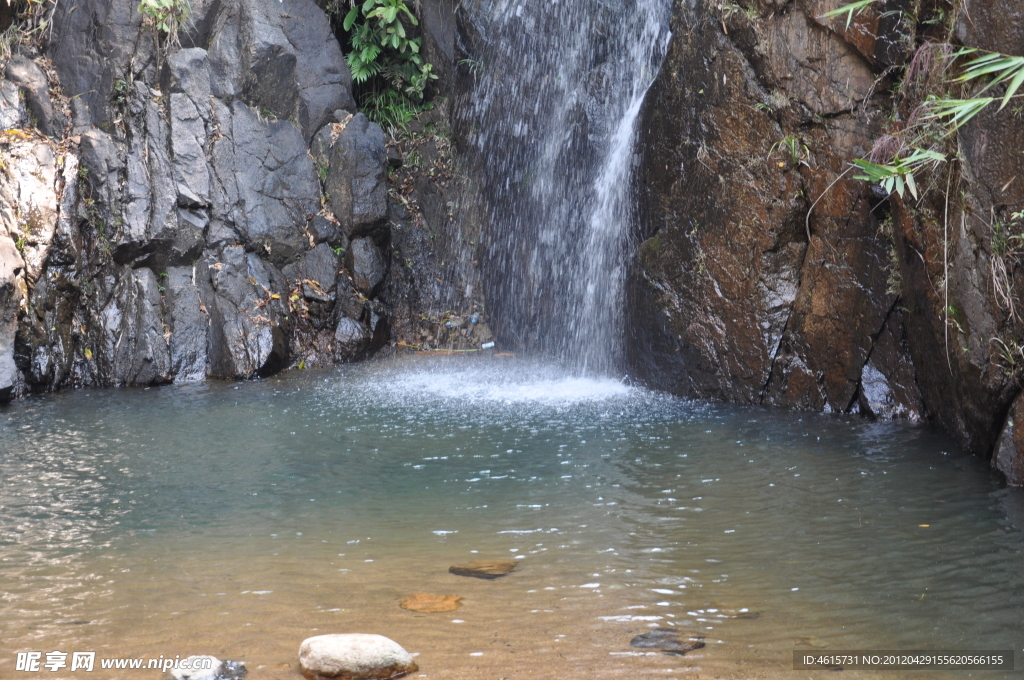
(768, 275)
(211, 206)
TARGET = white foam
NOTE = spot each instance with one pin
(522, 385)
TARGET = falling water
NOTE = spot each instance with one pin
(550, 119)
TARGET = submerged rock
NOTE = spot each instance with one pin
(354, 657)
(218, 670)
(431, 604)
(488, 569)
(668, 640)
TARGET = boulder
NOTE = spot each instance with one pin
(316, 271)
(366, 264)
(244, 297)
(351, 339)
(356, 183)
(353, 657)
(486, 569)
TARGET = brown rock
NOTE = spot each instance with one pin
(668, 640)
(431, 604)
(488, 569)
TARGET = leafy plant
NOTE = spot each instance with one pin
(390, 74)
(917, 145)
(849, 10)
(797, 151)
(899, 176)
(166, 16)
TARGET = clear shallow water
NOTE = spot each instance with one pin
(239, 519)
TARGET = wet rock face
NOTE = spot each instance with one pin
(182, 232)
(1009, 454)
(729, 293)
(29, 186)
(737, 295)
(11, 265)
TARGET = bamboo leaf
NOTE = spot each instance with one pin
(911, 184)
(1012, 88)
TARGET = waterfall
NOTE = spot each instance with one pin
(549, 125)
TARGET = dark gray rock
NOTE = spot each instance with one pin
(188, 139)
(134, 343)
(102, 166)
(1009, 454)
(153, 230)
(244, 297)
(351, 339)
(379, 326)
(268, 185)
(324, 230)
(367, 265)
(81, 117)
(188, 71)
(282, 58)
(12, 109)
(439, 28)
(888, 381)
(94, 44)
(348, 302)
(316, 271)
(30, 78)
(189, 325)
(357, 180)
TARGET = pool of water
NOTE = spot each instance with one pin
(239, 519)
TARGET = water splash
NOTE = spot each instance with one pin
(550, 123)
(478, 384)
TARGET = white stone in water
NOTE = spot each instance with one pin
(198, 668)
(353, 657)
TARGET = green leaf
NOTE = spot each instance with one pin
(350, 18)
(911, 184)
(958, 111)
(849, 9)
(1012, 88)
